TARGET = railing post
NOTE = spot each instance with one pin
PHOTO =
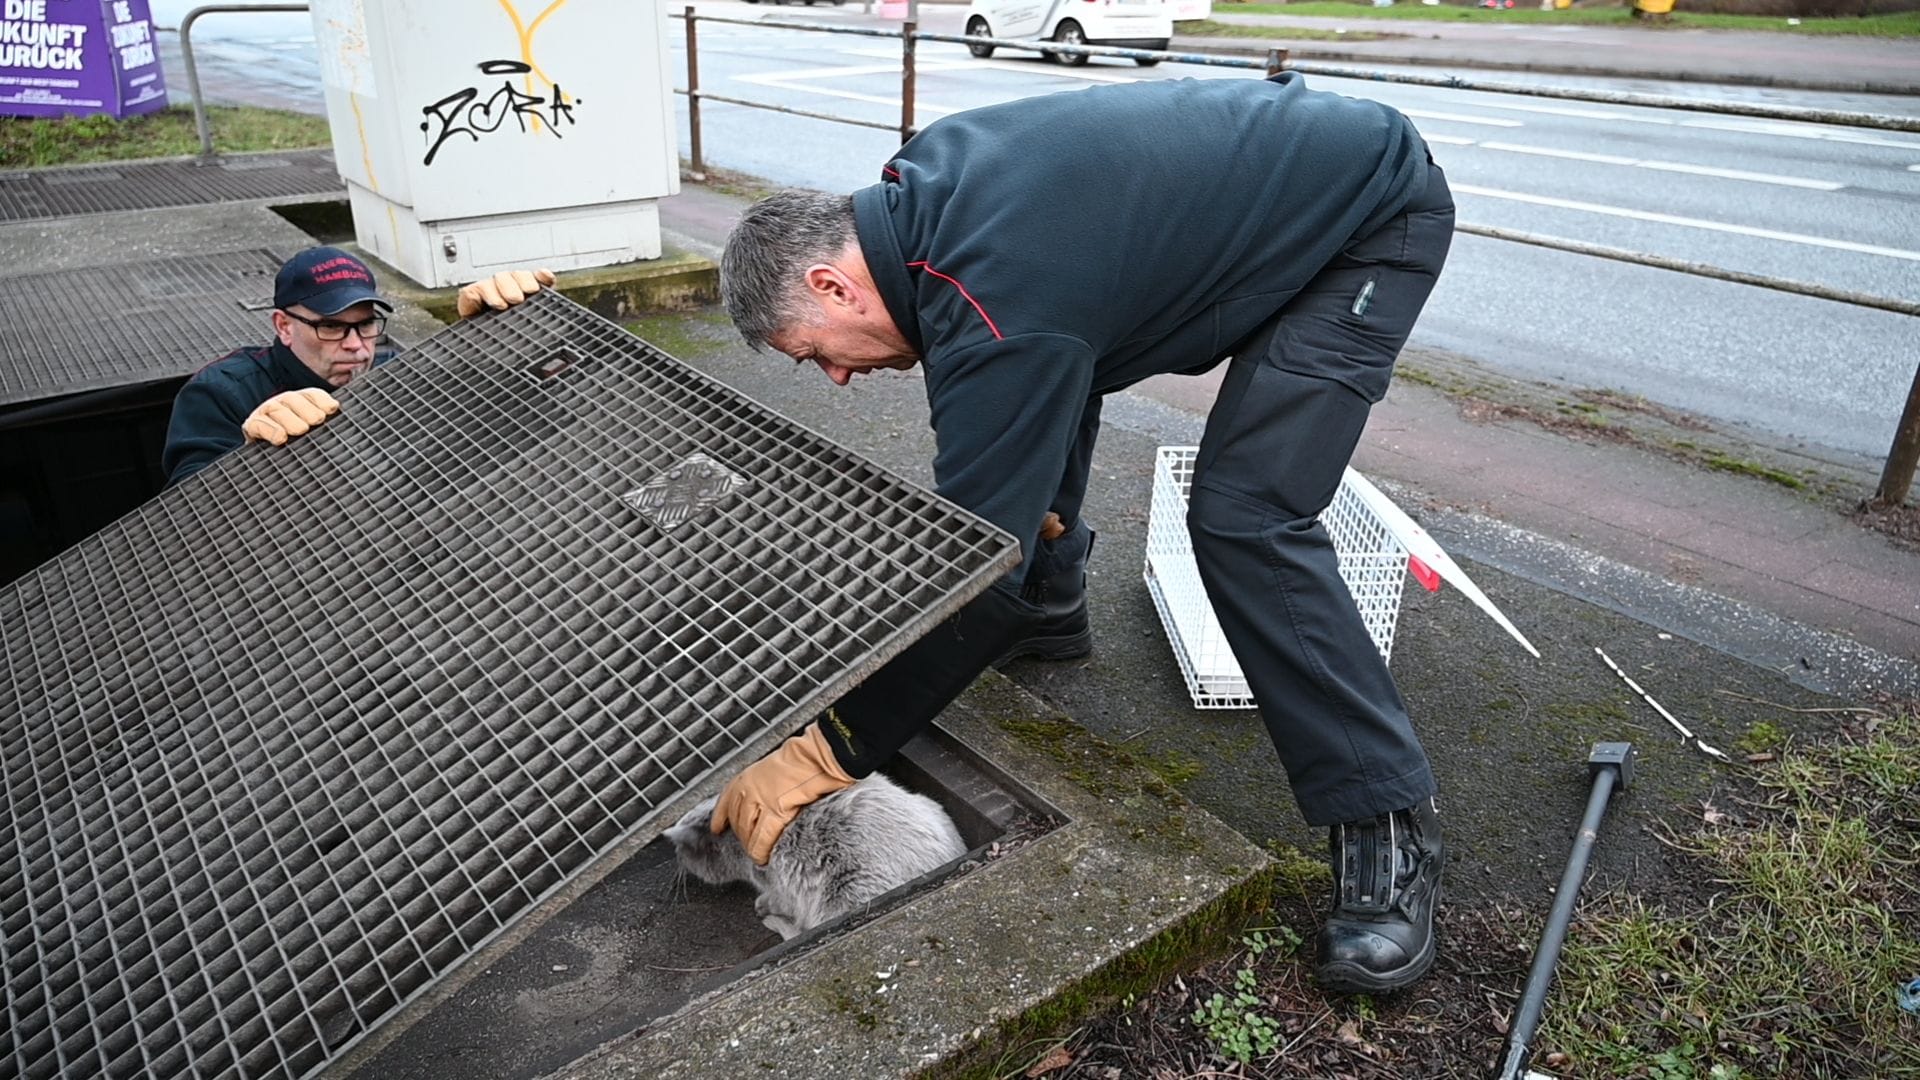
(193, 73)
(907, 32)
(1896, 480)
(1276, 62)
(699, 163)
(193, 85)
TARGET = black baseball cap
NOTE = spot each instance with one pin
(325, 279)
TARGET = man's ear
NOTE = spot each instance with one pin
(283, 328)
(830, 285)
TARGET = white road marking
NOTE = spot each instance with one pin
(1741, 174)
(1691, 223)
(1668, 166)
(850, 71)
(1744, 127)
(1570, 155)
(1913, 168)
(1578, 114)
(1750, 127)
(1447, 140)
(919, 105)
(1461, 118)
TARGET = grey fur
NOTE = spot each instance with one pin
(768, 252)
(838, 853)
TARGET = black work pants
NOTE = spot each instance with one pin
(1277, 442)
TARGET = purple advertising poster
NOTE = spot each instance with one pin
(68, 57)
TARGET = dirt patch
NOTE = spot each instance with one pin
(1614, 399)
(1902, 523)
(1567, 422)
(1451, 1025)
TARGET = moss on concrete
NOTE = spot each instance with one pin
(687, 335)
(1092, 763)
(1209, 933)
(1728, 463)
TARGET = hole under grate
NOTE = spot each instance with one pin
(314, 732)
(73, 330)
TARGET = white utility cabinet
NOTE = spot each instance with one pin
(477, 137)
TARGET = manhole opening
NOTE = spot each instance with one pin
(639, 946)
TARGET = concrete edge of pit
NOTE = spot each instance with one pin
(675, 281)
(957, 982)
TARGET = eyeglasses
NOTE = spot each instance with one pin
(330, 330)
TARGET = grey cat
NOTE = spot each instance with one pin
(839, 853)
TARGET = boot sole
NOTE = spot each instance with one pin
(1062, 647)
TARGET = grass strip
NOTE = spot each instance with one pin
(74, 140)
(1791, 966)
(1901, 24)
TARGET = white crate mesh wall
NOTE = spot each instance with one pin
(1373, 563)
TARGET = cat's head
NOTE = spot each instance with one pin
(716, 860)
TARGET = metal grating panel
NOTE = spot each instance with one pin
(29, 194)
(306, 740)
(74, 330)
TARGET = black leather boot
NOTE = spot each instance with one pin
(1386, 885)
(1057, 583)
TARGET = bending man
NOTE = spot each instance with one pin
(1036, 255)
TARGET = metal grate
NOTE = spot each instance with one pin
(310, 737)
(74, 330)
(30, 194)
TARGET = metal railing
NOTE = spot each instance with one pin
(193, 73)
(1903, 458)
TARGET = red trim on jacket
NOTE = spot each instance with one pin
(922, 265)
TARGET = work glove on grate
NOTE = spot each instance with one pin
(287, 415)
(501, 291)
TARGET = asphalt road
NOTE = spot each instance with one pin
(1836, 206)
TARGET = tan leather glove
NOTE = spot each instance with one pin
(501, 291)
(286, 415)
(761, 802)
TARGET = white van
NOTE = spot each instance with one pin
(1129, 24)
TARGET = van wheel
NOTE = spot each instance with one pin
(1069, 33)
(977, 27)
(1144, 62)
(1158, 46)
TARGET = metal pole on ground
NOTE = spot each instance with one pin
(1610, 764)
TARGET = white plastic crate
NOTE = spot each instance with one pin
(1373, 563)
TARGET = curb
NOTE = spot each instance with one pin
(1216, 47)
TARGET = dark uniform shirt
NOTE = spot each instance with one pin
(1042, 252)
(213, 404)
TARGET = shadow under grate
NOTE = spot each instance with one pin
(89, 329)
(31, 194)
(300, 744)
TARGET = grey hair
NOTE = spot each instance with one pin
(776, 240)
